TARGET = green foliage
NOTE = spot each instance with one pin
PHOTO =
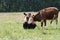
(26, 5)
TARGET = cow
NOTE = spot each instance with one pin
(49, 13)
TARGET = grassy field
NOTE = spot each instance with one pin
(11, 29)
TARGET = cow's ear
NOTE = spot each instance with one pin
(25, 14)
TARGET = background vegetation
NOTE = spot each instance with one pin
(26, 5)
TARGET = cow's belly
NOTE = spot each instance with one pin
(49, 17)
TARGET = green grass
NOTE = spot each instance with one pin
(11, 29)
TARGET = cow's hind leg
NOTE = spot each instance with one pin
(56, 18)
(51, 22)
(56, 23)
(53, 19)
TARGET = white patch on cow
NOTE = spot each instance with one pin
(30, 20)
(25, 20)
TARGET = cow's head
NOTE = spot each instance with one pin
(27, 16)
(36, 17)
(31, 18)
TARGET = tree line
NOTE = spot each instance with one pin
(27, 5)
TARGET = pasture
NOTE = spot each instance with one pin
(11, 29)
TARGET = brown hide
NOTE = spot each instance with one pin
(47, 14)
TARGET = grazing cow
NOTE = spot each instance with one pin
(28, 24)
(50, 13)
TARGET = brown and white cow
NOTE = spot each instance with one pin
(50, 13)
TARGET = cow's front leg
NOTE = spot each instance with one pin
(42, 23)
(45, 24)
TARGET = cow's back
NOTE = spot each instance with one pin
(48, 13)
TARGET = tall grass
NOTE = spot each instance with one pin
(11, 29)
